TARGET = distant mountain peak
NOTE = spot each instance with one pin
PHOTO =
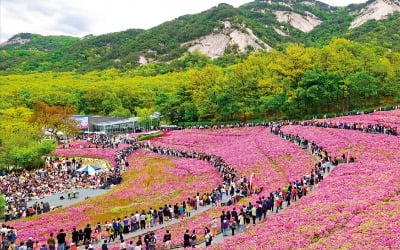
(222, 31)
(376, 10)
(19, 39)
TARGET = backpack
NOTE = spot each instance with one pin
(152, 241)
(6, 242)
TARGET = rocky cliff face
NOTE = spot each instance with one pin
(15, 41)
(377, 10)
(224, 29)
(305, 23)
(214, 45)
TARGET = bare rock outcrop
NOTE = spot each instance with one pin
(378, 10)
(214, 45)
(304, 23)
(16, 40)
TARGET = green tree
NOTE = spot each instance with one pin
(54, 120)
(121, 112)
(319, 92)
(362, 89)
(2, 205)
(208, 85)
(20, 141)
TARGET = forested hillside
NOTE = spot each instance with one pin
(264, 60)
(293, 83)
(244, 30)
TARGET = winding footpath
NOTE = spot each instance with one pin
(219, 238)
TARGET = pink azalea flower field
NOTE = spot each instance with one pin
(387, 118)
(100, 153)
(248, 150)
(78, 144)
(151, 181)
(356, 207)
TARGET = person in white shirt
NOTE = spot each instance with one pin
(122, 246)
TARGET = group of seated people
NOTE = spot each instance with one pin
(60, 176)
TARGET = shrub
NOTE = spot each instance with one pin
(2, 206)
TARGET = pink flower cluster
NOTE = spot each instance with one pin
(40, 228)
(78, 144)
(356, 207)
(106, 153)
(249, 150)
(144, 186)
(176, 176)
(387, 118)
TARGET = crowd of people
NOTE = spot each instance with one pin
(232, 189)
(236, 220)
(224, 126)
(60, 176)
(228, 193)
(97, 140)
(367, 128)
(233, 221)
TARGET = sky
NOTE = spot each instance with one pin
(82, 17)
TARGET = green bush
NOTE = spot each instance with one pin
(2, 206)
(148, 137)
(190, 124)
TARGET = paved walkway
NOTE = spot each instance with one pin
(219, 238)
(54, 199)
(199, 210)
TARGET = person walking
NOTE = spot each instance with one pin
(193, 239)
(254, 214)
(167, 240)
(225, 225)
(182, 211)
(87, 233)
(143, 220)
(232, 225)
(188, 208)
(214, 225)
(51, 242)
(186, 239)
(208, 238)
(61, 240)
(75, 236)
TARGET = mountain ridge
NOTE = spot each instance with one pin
(255, 26)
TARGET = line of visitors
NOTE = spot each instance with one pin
(238, 219)
(367, 128)
(224, 126)
(232, 187)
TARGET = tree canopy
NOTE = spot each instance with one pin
(292, 83)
